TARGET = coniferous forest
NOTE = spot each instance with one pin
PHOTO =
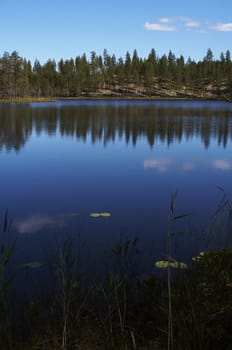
(105, 75)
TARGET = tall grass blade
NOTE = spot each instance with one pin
(5, 224)
(180, 216)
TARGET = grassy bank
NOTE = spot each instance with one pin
(27, 99)
(103, 96)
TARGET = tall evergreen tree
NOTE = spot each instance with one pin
(128, 67)
(6, 76)
(136, 67)
(153, 60)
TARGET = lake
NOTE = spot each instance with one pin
(61, 161)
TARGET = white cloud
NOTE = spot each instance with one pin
(161, 164)
(187, 24)
(162, 24)
(165, 20)
(222, 164)
(159, 27)
(223, 27)
(192, 24)
(174, 19)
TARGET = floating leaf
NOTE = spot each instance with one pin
(178, 265)
(105, 214)
(32, 265)
(162, 264)
(95, 215)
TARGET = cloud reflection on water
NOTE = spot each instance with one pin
(167, 164)
(162, 164)
(36, 222)
(222, 164)
(188, 166)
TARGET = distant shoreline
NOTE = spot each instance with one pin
(103, 97)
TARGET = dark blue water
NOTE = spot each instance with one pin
(63, 160)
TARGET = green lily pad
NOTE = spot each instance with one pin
(105, 214)
(178, 265)
(162, 264)
(95, 215)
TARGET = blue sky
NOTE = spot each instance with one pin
(45, 29)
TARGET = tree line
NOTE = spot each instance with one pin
(105, 74)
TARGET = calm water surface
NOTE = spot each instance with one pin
(63, 160)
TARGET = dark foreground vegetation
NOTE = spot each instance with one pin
(173, 308)
(119, 313)
(105, 75)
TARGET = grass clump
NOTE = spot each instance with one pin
(202, 303)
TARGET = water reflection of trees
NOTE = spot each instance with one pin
(106, 124)
(15, 127)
